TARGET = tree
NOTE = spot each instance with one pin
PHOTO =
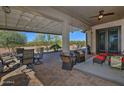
(78, 43)
(10, 39)
(48, 41)
(57, 40)
(40, 38)
(49, 38)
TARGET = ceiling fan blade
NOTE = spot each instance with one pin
(107, 14)
(94, 16)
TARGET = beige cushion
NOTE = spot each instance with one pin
(116, 61)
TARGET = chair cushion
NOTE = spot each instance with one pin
(102, 58)
(116, 61)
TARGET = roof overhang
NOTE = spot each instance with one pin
(38, 19)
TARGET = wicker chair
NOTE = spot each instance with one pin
(99, 59)
(117, 62)
(80, 56)
(38, 55)
(28, 57)
(67, 61)
(1, 65)
(19, 52)
(8, 61)
(40, 52)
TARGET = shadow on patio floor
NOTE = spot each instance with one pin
(17, 80)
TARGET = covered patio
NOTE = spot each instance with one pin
(62, 21)
(50, 74)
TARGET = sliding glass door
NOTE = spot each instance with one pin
(108, 39)
(113, 40)
(101, 41)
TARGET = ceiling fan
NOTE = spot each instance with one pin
(102, 14)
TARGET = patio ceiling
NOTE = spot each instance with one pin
(23, 19)
(50, 19)
(84, 13)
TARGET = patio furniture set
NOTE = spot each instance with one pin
(115, 60)
(7, 61)
(70, 59)
(21, 57)
(36, 56)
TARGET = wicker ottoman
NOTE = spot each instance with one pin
(99, 59)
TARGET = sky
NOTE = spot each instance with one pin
(77, 36)
(30, 36)
(73, 36)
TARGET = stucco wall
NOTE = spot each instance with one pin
(92, 33)
(89, 37)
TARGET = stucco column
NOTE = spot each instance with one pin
(122, 38)
(65, 37)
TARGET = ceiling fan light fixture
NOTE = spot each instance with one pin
(100, 16)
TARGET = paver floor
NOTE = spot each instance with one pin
(50, 73)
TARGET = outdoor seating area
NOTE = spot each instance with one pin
(114, 60)
(70, 59)
(7, 62)
(68, 62)
(104, 71)
(21, 57)
(38, 43)
(50, 73)
(66, 46)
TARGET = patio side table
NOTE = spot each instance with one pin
(37, 58)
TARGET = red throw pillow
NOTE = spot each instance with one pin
(102, 58)
(122, 60)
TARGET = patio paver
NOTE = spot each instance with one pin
(50, 73)
(103, 71)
